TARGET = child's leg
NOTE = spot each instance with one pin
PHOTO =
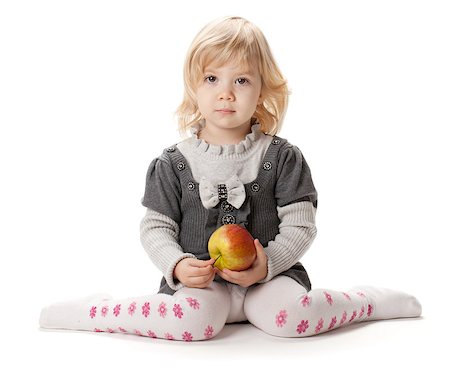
(190, 314)
(282, 307)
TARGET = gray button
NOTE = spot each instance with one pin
(226, 207)
(255, 187)
(267, 165)
(228, 219)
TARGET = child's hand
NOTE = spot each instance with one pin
(252, 275)
(195, 273)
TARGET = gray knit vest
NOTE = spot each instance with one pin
(181, 202)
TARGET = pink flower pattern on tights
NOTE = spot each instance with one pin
(319, 326)
(168, 336)
(193, 303)
(280, 318)
(369, 310)
(344, 318)
(116, 310)
(132, 308)
(305, 301)
(93, 311)
(329, 298)
(332, 323)
(104, 311)
(146, 309)
(302, 326)
(178, 311)
(361, 313)
(162, 309)
(187, 336)
(209, 332)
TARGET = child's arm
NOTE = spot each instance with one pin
(296, 198)
(159, 237)
(297, 231)
(160, 226)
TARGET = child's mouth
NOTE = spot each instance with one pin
(225, 111)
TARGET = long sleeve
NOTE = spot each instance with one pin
(296, 207)
(160, 227)
(159, 237)
(297, 232)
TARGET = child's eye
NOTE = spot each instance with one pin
(210, 79)
(242, 81)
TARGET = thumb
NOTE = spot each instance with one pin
(258, 246)
(211, 261)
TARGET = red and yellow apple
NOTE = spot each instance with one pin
(233, 247)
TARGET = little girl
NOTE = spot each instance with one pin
(233, 169)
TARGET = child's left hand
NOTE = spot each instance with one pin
(250, 276)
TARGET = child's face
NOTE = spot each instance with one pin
(228, 96)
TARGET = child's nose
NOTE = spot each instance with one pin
(226, 94)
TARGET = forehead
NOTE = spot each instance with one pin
(231, 68)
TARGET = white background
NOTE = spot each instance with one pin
(88, 90)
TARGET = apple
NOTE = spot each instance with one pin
(233, 247)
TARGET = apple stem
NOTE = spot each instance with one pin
(217, 258)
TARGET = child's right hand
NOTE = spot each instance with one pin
(195, 273)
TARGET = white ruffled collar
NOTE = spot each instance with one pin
(201, 146)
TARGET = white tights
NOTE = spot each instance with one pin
(280, 307)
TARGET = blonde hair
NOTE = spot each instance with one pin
(234, 39)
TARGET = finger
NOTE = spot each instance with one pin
(202, 263)
(228, 272)
(199, 281)
(229, 275)
(260, 252)
(200, 272)
(235, 275)
(258, 245)
(223, 275)
(203, 282)
(231, 279)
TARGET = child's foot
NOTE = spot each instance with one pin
(65, 315)
(388, 303)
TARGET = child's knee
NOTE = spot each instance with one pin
(205, 310)
(272, 307)
(278, 318)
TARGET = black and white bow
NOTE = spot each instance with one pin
(233, 191)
